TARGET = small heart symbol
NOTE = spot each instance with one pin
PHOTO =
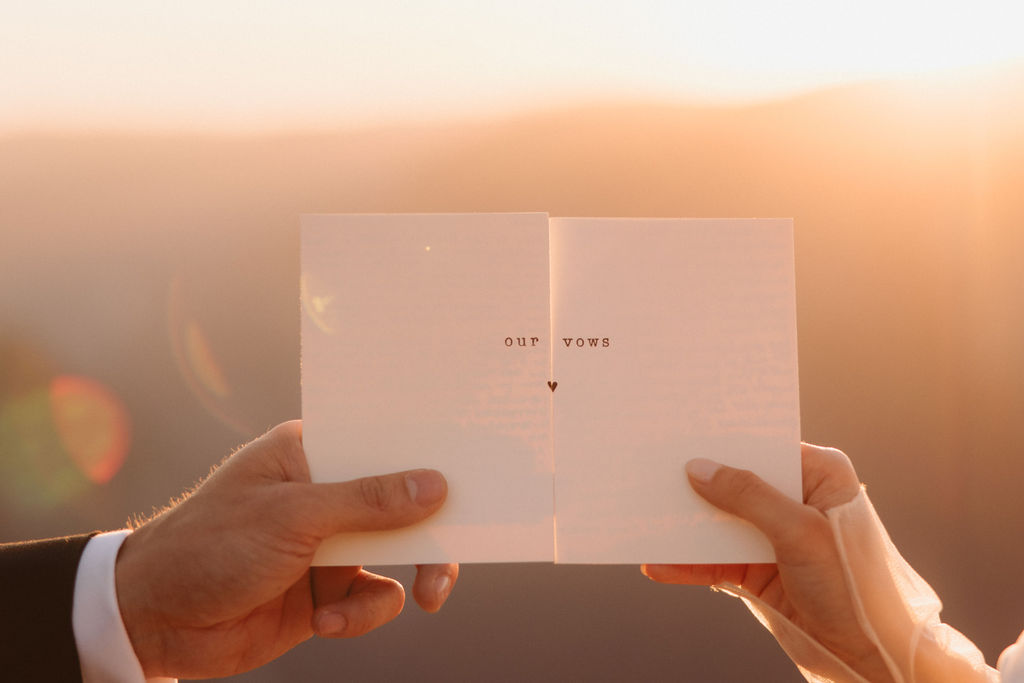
(552, 385)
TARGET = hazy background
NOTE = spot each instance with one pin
(153, 163)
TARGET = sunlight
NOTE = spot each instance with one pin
(764, 51)
(201, 65)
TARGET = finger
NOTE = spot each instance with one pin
(277, 455)
(332, 584)
(694, 574)
(744, 494)
(433, 584)
(389, 501)
(372, 601)
(829, 477)
(753, 577)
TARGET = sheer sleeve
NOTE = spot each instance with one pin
(895, 607)
(1011, 662)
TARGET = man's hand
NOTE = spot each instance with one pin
(807, 584)
(221, 583)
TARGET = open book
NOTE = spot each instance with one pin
(559, 372)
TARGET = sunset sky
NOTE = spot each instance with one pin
(268, 64)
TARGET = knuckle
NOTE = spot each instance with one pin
(284, 433)
(376, 493)
(744, 482)
(839, 466)
(832, 458)
(836, 458)
(810, 536)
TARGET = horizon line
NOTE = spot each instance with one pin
(227, 126)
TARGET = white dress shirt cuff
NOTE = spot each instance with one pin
(104, 651)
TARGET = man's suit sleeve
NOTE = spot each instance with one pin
(37, 583)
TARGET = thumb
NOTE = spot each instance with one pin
(746, 495)
(388, 501)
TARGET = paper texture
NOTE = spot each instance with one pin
(430, 341)
(405, 365)
(673, 339)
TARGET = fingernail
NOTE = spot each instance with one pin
(331, 622)
(426, 487)
(702, 469)
(442, 585)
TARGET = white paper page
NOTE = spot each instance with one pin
(682, 345)
(425, 344)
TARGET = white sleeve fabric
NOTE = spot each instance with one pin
(895, 607)
(105, 653)
(1011, 662)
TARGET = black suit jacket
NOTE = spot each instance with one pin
(37, 585)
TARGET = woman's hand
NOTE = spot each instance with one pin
(807, 583)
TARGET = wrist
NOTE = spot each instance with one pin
(872, 666)
(135, 604)
(943, 660)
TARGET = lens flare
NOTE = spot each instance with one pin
(200, 365)
(200, 358)
(92, 424)
(317, 304)
(60, 434)
(35, 472)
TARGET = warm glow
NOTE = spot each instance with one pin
(272, 64)
(92, 424)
